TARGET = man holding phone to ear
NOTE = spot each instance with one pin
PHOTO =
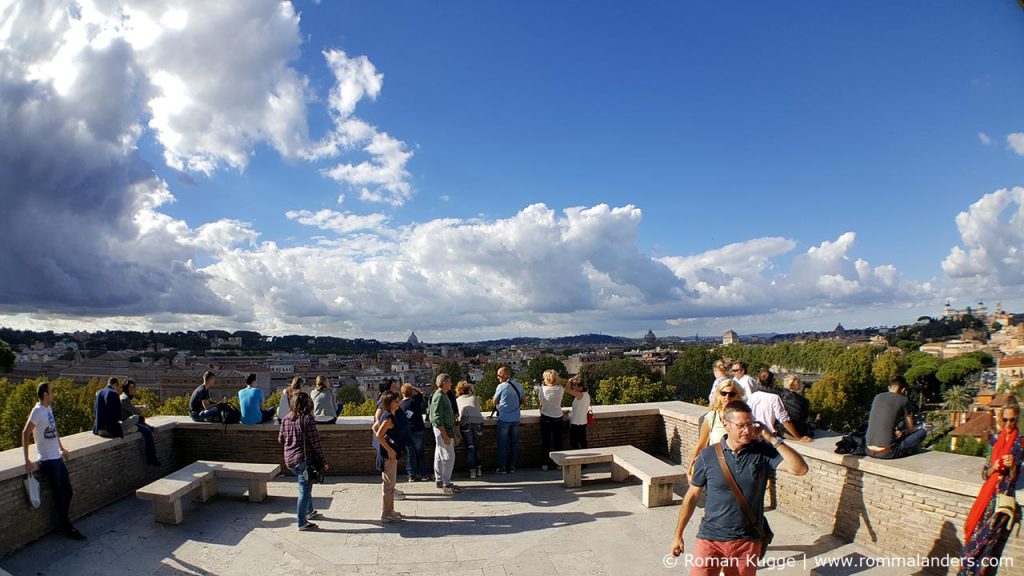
(727, 541)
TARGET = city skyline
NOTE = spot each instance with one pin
(478, 172)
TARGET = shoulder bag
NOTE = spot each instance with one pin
(314, 472)
(762, 527)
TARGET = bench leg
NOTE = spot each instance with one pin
(257, 490)
(208, 489)
(619, 474)
(168, 512)
(572, 475)
(657, 495)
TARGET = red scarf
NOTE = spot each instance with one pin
(1002, 447)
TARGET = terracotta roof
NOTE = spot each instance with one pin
(1012, 362)
(978, 424)
(1002, 400)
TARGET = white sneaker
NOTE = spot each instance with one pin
(472, 473)
(399, 495)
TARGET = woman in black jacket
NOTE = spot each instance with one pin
(798, 407)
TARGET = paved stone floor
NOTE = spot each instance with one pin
(520, 524)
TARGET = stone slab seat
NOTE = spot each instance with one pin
(658, 477)
(201, 477)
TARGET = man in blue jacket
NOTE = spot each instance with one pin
(108, 423)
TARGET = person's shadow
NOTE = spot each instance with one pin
(945, 546)
(851, 498)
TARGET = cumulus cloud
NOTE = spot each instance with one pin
(992, 241)
(1016, 142)
(340, 222)
(984, 138)
(383, 176)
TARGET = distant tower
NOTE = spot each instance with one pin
(650, 338)
(413, 340)
(947, 311)
(981, 312)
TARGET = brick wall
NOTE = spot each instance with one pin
(102, 471)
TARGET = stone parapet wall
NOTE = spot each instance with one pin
(102, 470)
(912, 506)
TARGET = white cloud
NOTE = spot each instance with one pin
(1016, 142)
(383, 177)
(340, 222)
(984, 138)
(992, 241)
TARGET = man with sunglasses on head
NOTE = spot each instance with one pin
(887, 410)
(727, 541)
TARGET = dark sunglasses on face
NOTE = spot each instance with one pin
(1008, 420)
(730, 393)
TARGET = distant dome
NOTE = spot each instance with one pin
(413, 340)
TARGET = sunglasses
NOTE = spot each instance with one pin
(730, 394)
(1007, 420)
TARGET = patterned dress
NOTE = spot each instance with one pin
(990, 534)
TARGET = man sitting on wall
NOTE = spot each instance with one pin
(108, 423)
(250, 400)
(887, 409)
(200, 407)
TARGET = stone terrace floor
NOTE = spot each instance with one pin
(520, 524)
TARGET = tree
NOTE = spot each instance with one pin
(633, 390)
(955, 372)
(956, 399)
(15, 412)
(6, 357)
(691, 374)
(174, 406)
(887, 366)
(536, 368)
(454, 370)
(349, 394)
(843, 395)
(488, 383)
(366, 408)
(594, 374)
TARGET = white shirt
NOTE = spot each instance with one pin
(45, 433)
(579, 410)
(551, 400)
(766, 408)
(748, 384)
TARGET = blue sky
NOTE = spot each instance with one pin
(723, 123)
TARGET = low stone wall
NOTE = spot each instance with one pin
(908, 507)
(903, 508)
(348, 444)
(102, 470)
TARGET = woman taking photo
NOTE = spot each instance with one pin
(392, 439)
(713, 429)
(995, 509)
(550, 398)
(471, 426)
(302, 449)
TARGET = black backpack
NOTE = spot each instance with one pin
(228, 415)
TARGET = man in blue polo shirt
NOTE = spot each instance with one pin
(726, 540)
(507, 398)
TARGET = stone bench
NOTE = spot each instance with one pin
(658, 477)
(201, 477)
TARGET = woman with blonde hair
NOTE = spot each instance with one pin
(550, 399)
(797, 406)
(325, 405)
(285, 406)
(471, 426)
(713, 428)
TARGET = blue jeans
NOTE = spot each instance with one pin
(304, 505)
(56, 474)
(906, 446)
(416, 460)
(147, 439)
(471, 434)
(207, 415)
(508, 438)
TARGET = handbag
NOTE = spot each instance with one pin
(762, 527)
(590, 418)
(314, 473)
(32, 487)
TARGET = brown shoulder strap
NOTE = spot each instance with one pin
(736, 492)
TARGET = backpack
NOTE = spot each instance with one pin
(228, 415)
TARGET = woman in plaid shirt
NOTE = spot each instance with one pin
(301, 448)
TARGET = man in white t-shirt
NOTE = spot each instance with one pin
(42, 427)
(745, 381)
